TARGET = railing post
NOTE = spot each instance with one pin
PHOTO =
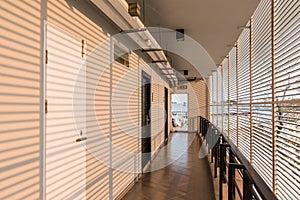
(209, 125)
(247, 194)
(203, 124)
(204, 127)
(223, 161)
(231, 157)
(231, 178)
(210, 143)
(203, 121)
(200, 131)
(200, 124)
(216, 148)
(232, 175)
(222, 169)
(221, 172)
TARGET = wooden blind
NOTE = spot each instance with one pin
(287, 63)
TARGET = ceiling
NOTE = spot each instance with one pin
(215, 24)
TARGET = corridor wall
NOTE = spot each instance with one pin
(21, 149)
(25, 144)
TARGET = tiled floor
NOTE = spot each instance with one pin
(189, 177)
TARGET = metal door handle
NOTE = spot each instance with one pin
(147, 119)
(80, 139)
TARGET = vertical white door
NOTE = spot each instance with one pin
(65, 157)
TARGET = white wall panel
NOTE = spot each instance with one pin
(20, 100)
(125, 130)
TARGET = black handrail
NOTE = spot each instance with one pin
(254, 187)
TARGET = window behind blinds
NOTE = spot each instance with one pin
(210, 87)
(262, 90)
(220, 97)
(225, 95)
(244, 91)
(215, 98)
(232, 96)
(249, 86)
(287, 63)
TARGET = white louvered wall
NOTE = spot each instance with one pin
(98, 123)
(244, 91)
(262, 90)
(232, 96)
(20, 98)
(220, 108)
(215, 97)
(287, 62)
(211, 110)
(124, 130)
(225, 96)
(267, 82)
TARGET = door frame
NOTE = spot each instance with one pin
(44, 99)
(148, 139)
(167, 114)
(188, 105)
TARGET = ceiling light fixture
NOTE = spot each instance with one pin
(148, 42)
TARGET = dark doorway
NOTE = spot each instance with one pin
(167, 114)
(146, 126)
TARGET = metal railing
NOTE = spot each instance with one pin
(235, 173)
